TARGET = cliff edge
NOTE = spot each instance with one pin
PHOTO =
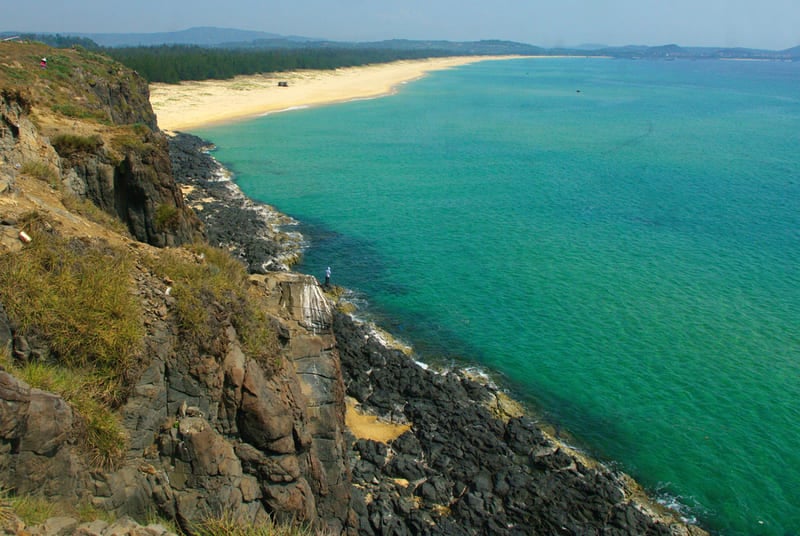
(134, 380)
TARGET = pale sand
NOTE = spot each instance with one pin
(364, 426)
(194, 104)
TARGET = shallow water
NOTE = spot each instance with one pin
(624, 257)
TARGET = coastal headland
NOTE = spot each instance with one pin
(193, 104)
(145, 372)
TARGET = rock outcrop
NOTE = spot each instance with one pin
(89, 127)
(465, 467)
(210, 429)
(256, 234)
(209, 433)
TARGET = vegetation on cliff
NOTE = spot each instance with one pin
(76, 296)
(102, 143)
(85, 310)
(218, 285)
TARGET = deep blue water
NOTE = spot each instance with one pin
(625, 258)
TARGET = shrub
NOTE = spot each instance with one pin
(105, 439)
(167, 217)
(79, 297)
(68, 109)
(228, 525)
(32, 510)
(6, 508)
(132, 139)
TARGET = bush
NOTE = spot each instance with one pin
(77, 112)
(6, 508)
(227, 525)
(31, 510)
(136, 138)
(78, 296)
(167, 217)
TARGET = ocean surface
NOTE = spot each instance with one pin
(617, 241)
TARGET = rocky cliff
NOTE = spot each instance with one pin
(147, 375)
(209, 425)
(86, 123)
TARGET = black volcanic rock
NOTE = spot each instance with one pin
(471, 472)
(247, 229)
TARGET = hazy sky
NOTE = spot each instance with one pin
(773, 24)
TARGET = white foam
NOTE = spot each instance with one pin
(289, 109)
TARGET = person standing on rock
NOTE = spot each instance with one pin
(328, 277)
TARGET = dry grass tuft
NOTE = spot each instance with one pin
(228, 525)
(77, 297)
(210, 287)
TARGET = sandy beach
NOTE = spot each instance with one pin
(193, 104)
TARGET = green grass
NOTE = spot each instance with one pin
(211, 283)
(78, 298)
(6, 507)
(69, 144)
(167, 217)
(68, 109)
(32, 510)
(137, 137)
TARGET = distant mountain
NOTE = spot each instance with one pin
(456, 47)
(793, 52)
(213, 37)
(673, 51)
(201, 36)
(588, 46)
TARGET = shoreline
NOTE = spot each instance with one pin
(379, 415)
(204, 103)
(208, 188)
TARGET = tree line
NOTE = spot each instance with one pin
(175, 63)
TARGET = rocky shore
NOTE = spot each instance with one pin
(470, 463)
(253, 232)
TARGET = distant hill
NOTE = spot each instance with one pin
(589, 46)
(227, 38)
(673, 51)
(201, 36)
(485, 47)
(231, 38)
(793, 52)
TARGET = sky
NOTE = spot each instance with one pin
(769, 24)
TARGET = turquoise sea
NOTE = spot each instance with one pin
(617, 241)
